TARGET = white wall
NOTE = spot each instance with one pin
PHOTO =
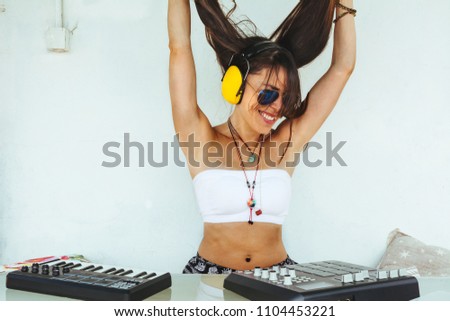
(58, 110)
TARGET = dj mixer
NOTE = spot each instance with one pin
(87, 281)
(325, 280)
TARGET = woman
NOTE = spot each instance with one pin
(242, 168)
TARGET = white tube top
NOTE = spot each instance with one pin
(222, 195)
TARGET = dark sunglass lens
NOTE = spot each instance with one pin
(267, 97)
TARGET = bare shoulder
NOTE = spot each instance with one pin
(288, 132)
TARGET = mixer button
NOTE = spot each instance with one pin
(402, 272)
(393, 274)
(365, 274)
(381, 275)
(358, 277)
(347, 278)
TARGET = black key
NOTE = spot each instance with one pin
(87, 268)
(149, 276)
(67, 265)
(126, 273)
(96, 268)
(140, 274)
(109, 270)
(118, 271)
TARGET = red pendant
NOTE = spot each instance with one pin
(258, 212)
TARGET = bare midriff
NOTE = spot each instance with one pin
(242, 246)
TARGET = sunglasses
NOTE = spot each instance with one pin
(267, 96)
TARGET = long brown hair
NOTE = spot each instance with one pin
(304, 33)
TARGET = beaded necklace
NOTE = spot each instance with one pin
(251, 203)
(252, 158)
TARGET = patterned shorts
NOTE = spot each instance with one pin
(198, 265)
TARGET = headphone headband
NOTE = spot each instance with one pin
(258, 48)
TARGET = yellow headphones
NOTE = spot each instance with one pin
(233, 80)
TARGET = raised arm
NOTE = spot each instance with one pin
(187, 116)
(325, 93)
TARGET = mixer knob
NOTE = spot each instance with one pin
(287, 280)
(273, 276)
(292, 273)
(257, 271)
(35, 268)
(45, 272)
(66, 269)
(283, 270)
(276, 268)
(55, 271)
(381, 275)
(347, 278)
(265, 274)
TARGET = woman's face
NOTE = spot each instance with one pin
(260, 116)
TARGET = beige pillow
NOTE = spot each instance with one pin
(404, 251)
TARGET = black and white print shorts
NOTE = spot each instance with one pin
(199, 265)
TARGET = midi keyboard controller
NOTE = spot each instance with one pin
(88, 281)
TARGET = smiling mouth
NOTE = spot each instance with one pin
(268, 118)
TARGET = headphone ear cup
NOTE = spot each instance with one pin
(232, 82)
